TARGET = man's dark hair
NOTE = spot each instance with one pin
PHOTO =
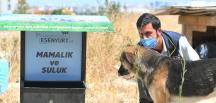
(146, 18)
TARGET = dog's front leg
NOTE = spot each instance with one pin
(158, 89)
(159, 94)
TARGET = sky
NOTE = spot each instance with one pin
(87, 4)
(60, 3)
(83, 3)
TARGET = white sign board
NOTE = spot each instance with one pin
(53, 56)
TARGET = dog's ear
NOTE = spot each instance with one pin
(130, 57)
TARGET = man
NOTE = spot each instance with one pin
(165, 42)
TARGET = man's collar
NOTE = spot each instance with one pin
(164, 50)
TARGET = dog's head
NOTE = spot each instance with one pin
(134, 61)
(127, 60)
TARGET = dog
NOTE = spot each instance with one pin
(206, 50)
(162, 75)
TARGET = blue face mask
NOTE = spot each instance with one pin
(148, 42)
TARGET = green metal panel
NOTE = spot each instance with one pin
(30, 22)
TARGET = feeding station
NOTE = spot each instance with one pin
(53, 54)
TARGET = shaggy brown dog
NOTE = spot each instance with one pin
(162, 75)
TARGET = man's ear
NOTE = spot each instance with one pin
(130, 57)
(159, 31)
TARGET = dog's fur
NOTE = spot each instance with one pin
(162, 75)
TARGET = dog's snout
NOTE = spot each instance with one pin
(122, 71)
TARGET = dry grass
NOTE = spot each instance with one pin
(10, 46)
(103, 51)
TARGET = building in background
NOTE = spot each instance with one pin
(8, 6)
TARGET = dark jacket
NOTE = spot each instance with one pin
(171, 40)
